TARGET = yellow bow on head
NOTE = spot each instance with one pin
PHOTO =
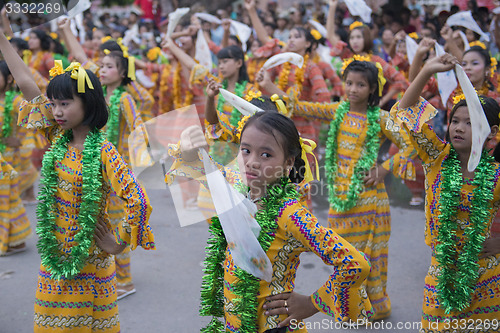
(381, 78)
(78, 73)
(316, 34)
(280, 105)
(307, 148)
(131, 60)
(355, 25)
(57, 69)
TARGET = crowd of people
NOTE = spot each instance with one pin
(338, 76)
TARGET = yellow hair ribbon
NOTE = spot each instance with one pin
(131, 68)
(307, 148)
(105, 39)
(355, 24)
(280, 105)
(477, 43)
(54, 35)
(80, 74)
(381, 78)
(106, 51)
(131, 60)
(57, 69)
(26, 56)
(316, 34)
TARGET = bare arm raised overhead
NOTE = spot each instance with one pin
(19, 70)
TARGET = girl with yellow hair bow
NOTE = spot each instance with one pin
(359, 206)
(270, 165)
(79, 173)
(361, 44)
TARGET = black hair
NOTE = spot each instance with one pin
(307, 34)
(367, 38)
(235, 52)
(110, 45)
(5, 71)
(235, 39)
(370, 72)
(273, 122)
(58, 47)
(487, 60)
(44, 39)
(482, 52)
(121, 65)
(264, 103)
(492, 112)
(20, 43)
(94, 105)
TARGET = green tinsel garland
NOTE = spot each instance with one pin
(364, 164)
(113, 125)
(459, 271)
(247, 287)
(58, 262)
(234, 119)
(7, 118)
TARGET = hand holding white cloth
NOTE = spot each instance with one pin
(236, 215)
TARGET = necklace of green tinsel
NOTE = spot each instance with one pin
(59, 263)
(113, 125)
(235, 117)
(365, 163)
(247, 287)
(459, 271)
(7, 118)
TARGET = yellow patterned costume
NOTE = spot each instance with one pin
(485, 300)
(367, 226)
(130, 118)
(16, 157)
(297, 231)
(87, 302)
(14, 224)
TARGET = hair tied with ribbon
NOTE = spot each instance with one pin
(355, 24)
(280, 105)
(131, 60)
(307, 148)
(77, 71)
(381, 79)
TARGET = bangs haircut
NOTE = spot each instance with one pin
(44, 39)
(236, 53)
(121, 64)
(370, 72)
(286, 135)
(367, 37)
(110, 45)
(95, 109)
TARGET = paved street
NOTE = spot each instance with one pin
(168, 280)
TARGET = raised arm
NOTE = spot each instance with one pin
(226, 25)
(451, 45)
(20, 72)
(332, 36)
(418, 60)
(185, 59)
(262, 35)
(443, 63)
(210, 110)
(72, 43)
(6, 23)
